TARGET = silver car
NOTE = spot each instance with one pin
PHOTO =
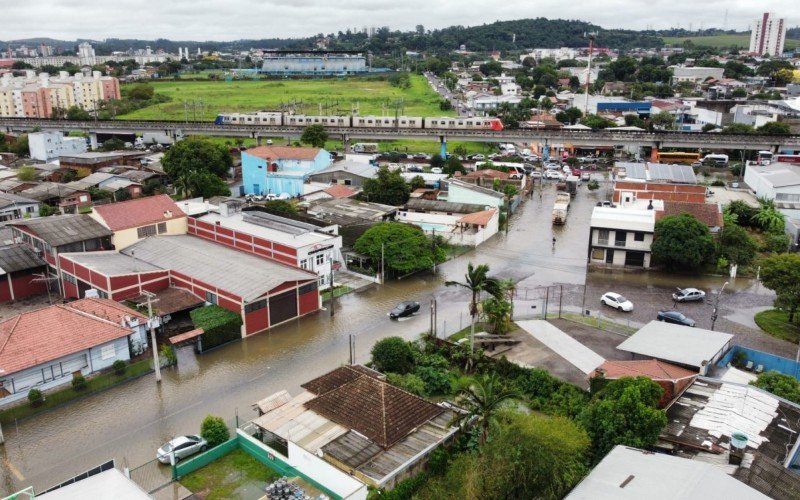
(182, 446)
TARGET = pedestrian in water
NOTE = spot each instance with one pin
(554, 241)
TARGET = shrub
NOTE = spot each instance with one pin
(739, 359)
(219, 325)
(168, 356)
(784, 386)
(119, 367)
(409, 382)
(78, 382)
(718, 182)
(776, 242)
(436, 381)
(214, 430)
(392, 354)
(593, 185)
(35, 397)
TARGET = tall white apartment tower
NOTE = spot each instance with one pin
(768, 35)
(86, 54)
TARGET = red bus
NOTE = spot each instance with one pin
(787, 159)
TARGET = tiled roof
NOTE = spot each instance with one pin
(488, 173)
(339, 191)
(139, 212)
(478, 218)
(283, 153)
(707, 213)
(374, 408)
(36, 337)
(651, 368)
(64, 229)
(18, 258)
(106, 309)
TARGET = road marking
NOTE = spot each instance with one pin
(14, 470)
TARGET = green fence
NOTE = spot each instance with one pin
(203, 459)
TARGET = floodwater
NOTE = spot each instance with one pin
(129, 422)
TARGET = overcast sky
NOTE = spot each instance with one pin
(238, 19)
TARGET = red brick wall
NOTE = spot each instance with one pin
(5, 289)
(309, 302)
(244, 242)
(257, 321)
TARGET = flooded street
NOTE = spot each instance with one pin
(129, 422)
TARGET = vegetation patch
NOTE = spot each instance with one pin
(219, 325)
(776, 322)
(222, 478)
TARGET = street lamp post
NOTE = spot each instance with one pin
(716, 305)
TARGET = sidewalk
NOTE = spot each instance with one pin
(352, 280)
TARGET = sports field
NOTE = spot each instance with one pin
(370, 96)
(721, 41)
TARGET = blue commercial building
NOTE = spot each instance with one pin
(642, 108)
(280, 169)
(306, 64)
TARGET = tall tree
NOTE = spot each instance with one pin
(196, 154)
(477, 281)
(781, 273)
(404, 248)
(314, 135)
(736, 245)
(682, 242)
(624, 412)
(389, 188)
(483, 397)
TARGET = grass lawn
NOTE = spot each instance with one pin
(337, 292)
(221, 479)
(721, 41)
(53, 399)
(776, 323)
(373, 96)
(600, 323)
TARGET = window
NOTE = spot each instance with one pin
(638, 236)
(211, 298)
(162, 227)
(619, 238)
(108, 351)
(255, 306)
(304, 264)
(322, 280)
(598, 254)
(145, 231)
(307, 288)
(320, 259)
(91, 245)
(602, 236)
(348, 182)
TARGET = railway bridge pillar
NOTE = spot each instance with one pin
(258, 140)
(93, 140)
(654, 152)
(346, 144)
(443, 146)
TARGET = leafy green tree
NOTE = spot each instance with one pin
(76, 113)
(682, 242)
(388, 187)
(206, 185)
(392, 354)
(416, 182)
(739, 92)
(214, 430)
(141, 92)
(405, 247)
(774, 128)
(280, 206)
(663, 120)
(769, 218)
(624, 412)
(47, 210)
(477, 281)
(784, 386)
(314, 135)
(27, 174)
(743, 212)
(437, 161)
(35, 397)
(777, 242)
(736, 245)
(483, 396)
(781, 274)
(453, 165)
(738, 128)
(113, 144)
(529, 456)
(196, 154)
(20, 146)
(498, 314)
(596, 122)
(409, 382)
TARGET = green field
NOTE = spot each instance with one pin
(721, 41)
(371, 96)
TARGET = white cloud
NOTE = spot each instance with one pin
(236, 19)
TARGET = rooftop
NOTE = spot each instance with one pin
(709, 214)
(64, 229)
(69, 330)
(351, 167)
(283, 153)
(171, 300)
(688, 346)
(629, 218)
(423, 205)
(18, 258)
(138, 212)
(240, 273)
(651, 368)
(681, 174)
(349, 211)
(99, 486)
(47, 190)
(630, 473)
(110, 263)
(9, 200)
(472, 187)
(288, 232)
(779, 174)
(339, 191)
(478, 218)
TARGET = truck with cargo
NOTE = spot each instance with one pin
(365, 147)
(572, 185)
(560, 208)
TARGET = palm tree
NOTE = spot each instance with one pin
(482, 397)
(770, 219)
(477, 280)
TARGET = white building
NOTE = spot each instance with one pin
(779, 182)
(458, 223)
(46, 146)
(86, 54)
(768, 35)
(695, 74)
(559, 54)
(622, 236)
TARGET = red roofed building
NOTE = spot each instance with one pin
(673, 379)
(709, 214)
(487, 173)
(659, 191)
(339, 191)
(45, 348)
(133, 220)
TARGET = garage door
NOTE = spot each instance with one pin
(634, 259)
(282, 307)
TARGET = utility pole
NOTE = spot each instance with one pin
(716, 305)
(382, 249)
(591, 37)
(333, 294)
(152, 324)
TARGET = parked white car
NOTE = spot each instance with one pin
(436, 170)
(182, 446)
(617, 301)
(553, 174)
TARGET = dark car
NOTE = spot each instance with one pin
(404, 309)
(675, 317)
(414, 168)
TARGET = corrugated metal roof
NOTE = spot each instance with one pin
(18, 258)
(60, 230)
(245, 275)
(110, 263)
(443, 206)
(680, 344)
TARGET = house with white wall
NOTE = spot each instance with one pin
(623, 235)
(464, 192)
(136, 219)
(465, 224)
(46, 146)
(46, 348)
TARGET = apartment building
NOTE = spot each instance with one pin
(37, 96)
(768, 35)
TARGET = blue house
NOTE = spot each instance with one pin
(280, 169)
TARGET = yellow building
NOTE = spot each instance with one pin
(137, 219)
